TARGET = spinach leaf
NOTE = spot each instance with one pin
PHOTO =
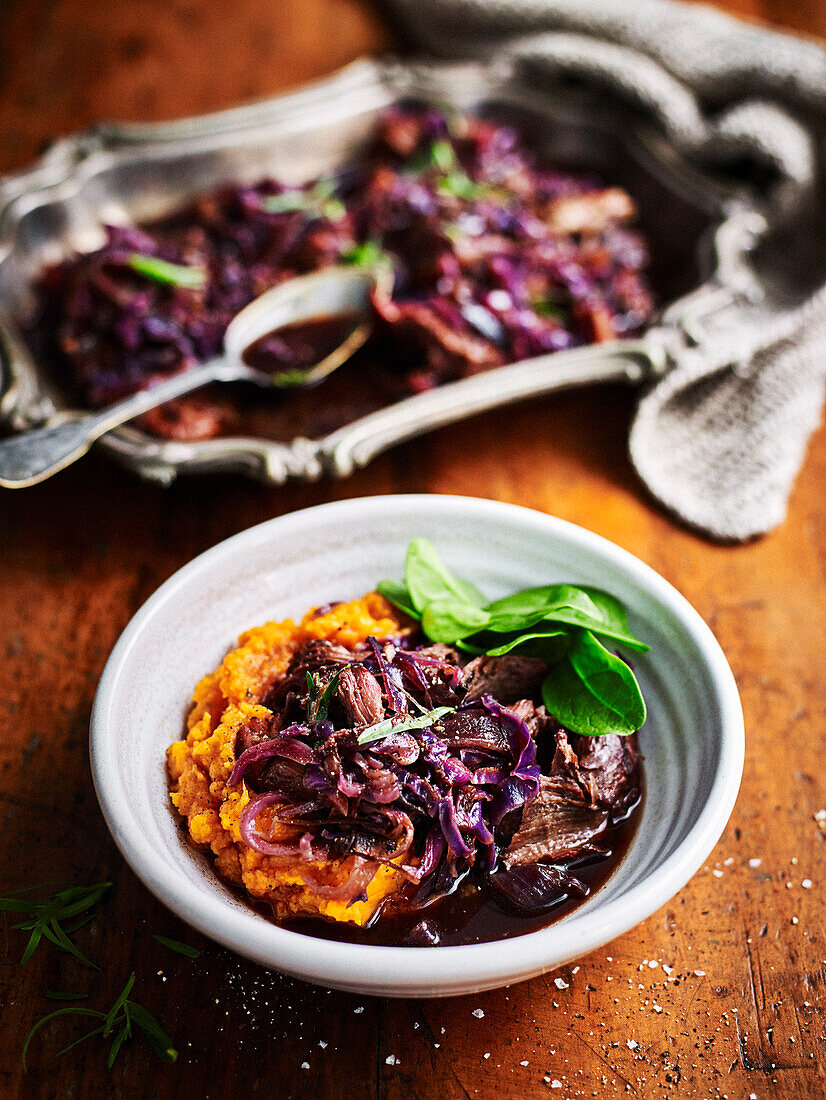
(548, 645)
(429, 579)
(450, 620)
(535, 601)
(589, 608)
(589, 690)
(613, 615)
(593, 692)
(397, 593)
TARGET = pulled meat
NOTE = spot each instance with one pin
(592, 781)
(611, 766)
(507, 678)
(360, 693)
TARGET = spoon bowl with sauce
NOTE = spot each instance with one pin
(292, 336)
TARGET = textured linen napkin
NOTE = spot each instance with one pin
(720, 439)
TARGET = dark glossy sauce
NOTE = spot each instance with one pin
(302, 345)
(474, 914)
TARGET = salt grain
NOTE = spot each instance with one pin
(632, 1044)
(525, 1063)
(478, 1013)
(700, 973)
(755, 862)
(305, 1065)
(716, 873)
(556, 1084)
(391, 1060)
(358, 1010)
(560, 984)
(806, 884)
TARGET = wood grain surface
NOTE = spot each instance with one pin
(720, 994)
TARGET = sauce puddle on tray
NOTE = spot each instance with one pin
(301, 345)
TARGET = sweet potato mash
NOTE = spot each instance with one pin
(200, 765)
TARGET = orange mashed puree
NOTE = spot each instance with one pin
(200, 764)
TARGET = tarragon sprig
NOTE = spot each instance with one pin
(117, 1022)
(47, 918)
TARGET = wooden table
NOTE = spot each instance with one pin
(721, 993)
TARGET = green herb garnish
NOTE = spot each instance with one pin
(442, 155)
(589, 689)
(118, 1022)
(47, 918)
(161, 271)
(367, 254)
(176, 945)
(318, 698)
(287, 379)
(461, 186)
(395, 725)
(315, 200)
(546, 308)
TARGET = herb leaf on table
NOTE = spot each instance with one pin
(48, 918)
(176, 945)
(117, 1022)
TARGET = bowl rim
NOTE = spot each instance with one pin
(404, 970)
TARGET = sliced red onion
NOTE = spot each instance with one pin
(537, 888)
(349, 891)
(402, 747)
(246, 826)
(414, 674)
(349, 786)
(280, 745)
(522, 745)
(456, 771)
(382, 790)
(393, 687)
(435, 662)
(405, 825)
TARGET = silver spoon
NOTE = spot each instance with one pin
(33, 456)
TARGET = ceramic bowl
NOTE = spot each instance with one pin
(693, 739)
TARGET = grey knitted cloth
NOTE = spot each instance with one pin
(720, 439)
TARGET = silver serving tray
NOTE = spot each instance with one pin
(700, 231)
